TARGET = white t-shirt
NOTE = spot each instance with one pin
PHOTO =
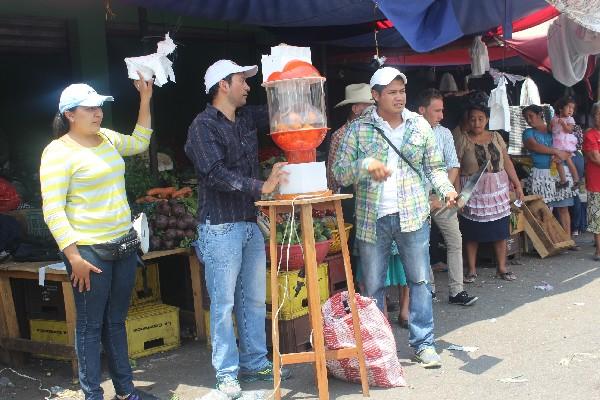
(388, 203)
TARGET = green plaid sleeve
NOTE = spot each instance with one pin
(350, 167)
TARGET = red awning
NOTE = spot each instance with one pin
(518, 25)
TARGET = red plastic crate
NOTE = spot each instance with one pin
(296, 260)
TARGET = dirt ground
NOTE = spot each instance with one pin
(532, 344)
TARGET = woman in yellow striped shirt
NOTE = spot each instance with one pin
(84, 203)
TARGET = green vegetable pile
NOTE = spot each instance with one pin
(322, 233)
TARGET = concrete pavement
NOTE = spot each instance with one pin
(544, 344)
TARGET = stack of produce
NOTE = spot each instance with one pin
(172, 216)
(171, 225)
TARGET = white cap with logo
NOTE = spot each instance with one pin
(80, 94)
(222, 68)
(383, 76)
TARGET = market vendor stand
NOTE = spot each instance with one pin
(12, 345)
(318, 355)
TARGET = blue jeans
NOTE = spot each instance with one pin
(413, 248)
(101, 315)
(235, 269)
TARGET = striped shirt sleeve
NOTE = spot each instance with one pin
(54, 180)
(445, 141)
(433, 165)
(128, 145)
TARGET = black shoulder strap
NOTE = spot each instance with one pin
(387, 139)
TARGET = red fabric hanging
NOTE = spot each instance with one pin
(9, 198)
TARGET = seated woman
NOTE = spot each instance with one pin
(538, 140)
(485, 217)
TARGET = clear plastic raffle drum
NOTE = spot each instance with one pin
(298, 124)
(296, 100)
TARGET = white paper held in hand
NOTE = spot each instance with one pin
(154, 65)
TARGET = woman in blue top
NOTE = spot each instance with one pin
(538, 140)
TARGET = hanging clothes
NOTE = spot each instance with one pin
(585, 13)
(569, 47)
(480, 60)
(530, 93)
(518, 125)
(499, 109)
(447, 83)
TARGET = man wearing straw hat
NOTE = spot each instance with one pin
(358, 98)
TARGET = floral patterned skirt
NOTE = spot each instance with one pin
(593, 212)
(543, 182)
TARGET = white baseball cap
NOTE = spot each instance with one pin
(383, 76)
(222, 68)
(80, 94)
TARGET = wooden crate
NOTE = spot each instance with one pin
(545, 232)
(294, 335)
(517, 221)
(336, 273)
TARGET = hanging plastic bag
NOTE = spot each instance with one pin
(379, 345)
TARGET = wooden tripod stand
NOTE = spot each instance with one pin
(319, 354)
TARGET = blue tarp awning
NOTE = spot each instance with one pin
(422, 24)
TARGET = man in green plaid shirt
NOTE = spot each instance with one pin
(392, 201)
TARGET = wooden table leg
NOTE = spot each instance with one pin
(4, 354)
(350, 281)
(196, 273)
(10, 318)
(314, 303)
(71, 317)
(274, 302)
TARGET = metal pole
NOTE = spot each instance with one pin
(143, 25)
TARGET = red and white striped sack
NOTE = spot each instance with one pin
(379, 345)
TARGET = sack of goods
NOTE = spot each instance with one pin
(379, 345)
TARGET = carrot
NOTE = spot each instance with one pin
(147, 199)
(183, 192)
(163, 193)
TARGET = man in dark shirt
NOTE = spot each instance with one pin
(222, 144)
